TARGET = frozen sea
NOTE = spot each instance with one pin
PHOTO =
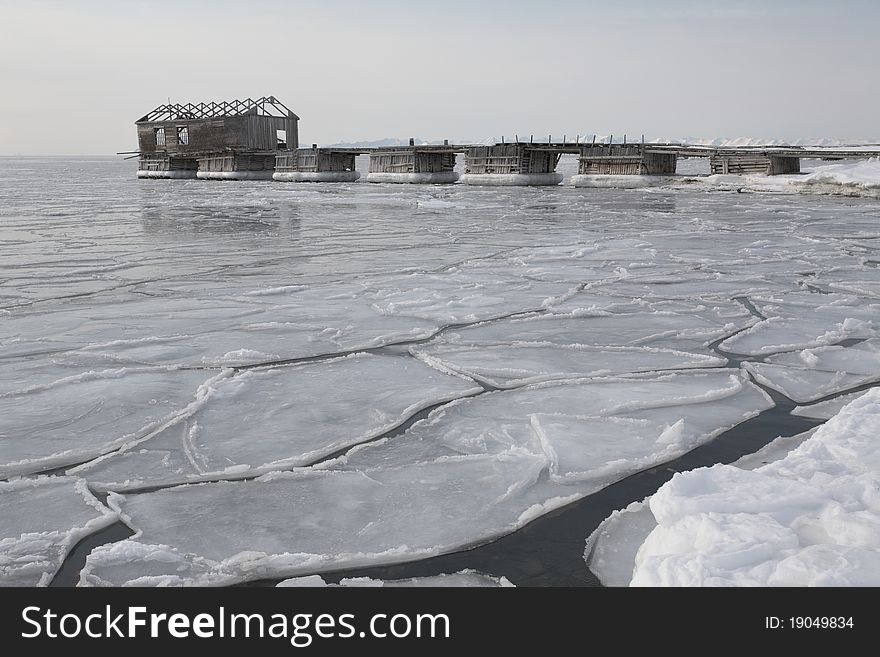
(217, 383)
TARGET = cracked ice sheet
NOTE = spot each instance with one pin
(816, 373)
(267, 324)
(589, 430)
(269, 419)
(598, 261)
(517, 364)
(693, 285)
(118, 320)
(75, 418)
(263, 326)
(461, 295)
(681, 331)
(40, 520)
(804, 320)
(865, 282)
(597, 301)
(307, 521)
(475, 470)
(469, 578)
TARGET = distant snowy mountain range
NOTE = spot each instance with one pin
(378, 143)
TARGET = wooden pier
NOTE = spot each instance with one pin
(318, 165)
(762, 160)
(258, 139)
(518, 163)
(432, 164)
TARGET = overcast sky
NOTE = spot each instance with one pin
(75, 75)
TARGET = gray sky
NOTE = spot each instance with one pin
(75, 75)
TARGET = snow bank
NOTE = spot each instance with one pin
(809, 519)
(611, 549)
(858, 177)
(847, 178)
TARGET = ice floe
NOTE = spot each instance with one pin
(75, 418)
(41, 519)
(812, 374)
(269, 419)
(520, 363)
(474, 470)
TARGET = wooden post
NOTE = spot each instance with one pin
(593, 143)
(412, 141)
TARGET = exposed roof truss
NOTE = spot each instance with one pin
(265, 106)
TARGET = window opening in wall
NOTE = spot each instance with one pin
(183, 135)
(160, 136)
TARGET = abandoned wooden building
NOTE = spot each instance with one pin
(519, 163)
(413, 164)
(317, 165)
(235, 140)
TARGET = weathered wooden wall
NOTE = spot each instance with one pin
(310, 160)
(237, 162)
(403, 161)
(781, 165)
(247, 132)
(739, 164)
(412, 160)
(625, 160)
(510, 159)
(659, 164)
(162, 162)
(501, 158)
(539, 161)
